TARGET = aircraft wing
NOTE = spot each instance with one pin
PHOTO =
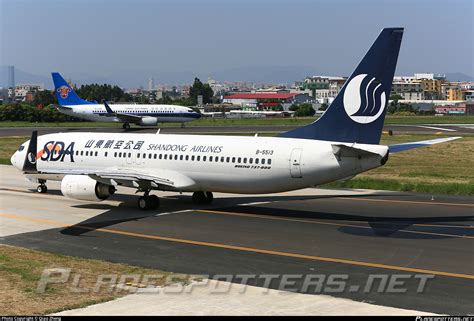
(127, 118)
(160, 179)
(406, 146)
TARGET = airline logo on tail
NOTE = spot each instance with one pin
(64, 91)
(364, 99)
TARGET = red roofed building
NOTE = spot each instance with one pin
(265, 100)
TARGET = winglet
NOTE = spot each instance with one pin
(29, 165)
(107, 107)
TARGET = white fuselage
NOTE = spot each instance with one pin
(205, 163)
(162, 113)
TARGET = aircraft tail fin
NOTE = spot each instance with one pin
(65, 94)
(357, 113)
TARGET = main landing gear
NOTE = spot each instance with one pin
(42, 188)
(126, 126)
(202, 198)
(148, 202)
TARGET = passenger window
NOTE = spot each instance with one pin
(144, 155)
(263, 161)
(228, 159)
(204, 158)
(222, 159)
(160, 156)
(269, 161)
(256, 160)
(233, 159)
(210, 158)
(106, 153)
(239, 160)
(154, 156)
(198, 158)
(87, 153)
(120, 155)
(187, 157)
(250, 160)
(82, 152)
(115, 154)
(245, 160)
(96, 153)
(181, 157)
(149, 156)
(166, 156)
(129, 154)
(175, 157)
(192, 158)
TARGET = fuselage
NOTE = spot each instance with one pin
(210, 163)
(162, 113)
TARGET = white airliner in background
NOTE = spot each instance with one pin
(140, 114)
(341, 144)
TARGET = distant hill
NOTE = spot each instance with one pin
(458, 76)
(23, 77)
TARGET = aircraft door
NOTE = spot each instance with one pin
(295, 163)
(129, 157)
(138, 158)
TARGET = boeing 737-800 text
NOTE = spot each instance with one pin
(342, 143)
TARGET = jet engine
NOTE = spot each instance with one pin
(148, 121)
(82, 187)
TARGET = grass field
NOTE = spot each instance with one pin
(446, 168)
(297, 121)
(21, 269)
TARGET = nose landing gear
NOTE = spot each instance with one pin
(42, 188)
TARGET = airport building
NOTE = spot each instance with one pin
(460, 109)
(265, 100)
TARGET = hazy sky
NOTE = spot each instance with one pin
(110, 38)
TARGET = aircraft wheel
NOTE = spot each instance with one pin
(143, 203)
(126, 126)
(209, 197)
(42, 188)
(199, 198)
(154, 202)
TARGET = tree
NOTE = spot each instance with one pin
(96, 92)
(44, 98)
(303, 110)
(198, 88)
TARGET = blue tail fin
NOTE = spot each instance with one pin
(64, 93)
(357, 113)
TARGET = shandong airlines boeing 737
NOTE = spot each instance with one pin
(143, 115)
(342, 143)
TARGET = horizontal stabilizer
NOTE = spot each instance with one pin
(341, 150)
(406, 146)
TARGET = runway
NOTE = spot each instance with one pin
(451, 129)
(355, 233)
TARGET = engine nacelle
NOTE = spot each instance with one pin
(82, 187)
(148, 121)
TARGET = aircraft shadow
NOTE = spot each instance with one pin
(380, 226)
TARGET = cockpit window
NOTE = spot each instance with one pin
(22, 147)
